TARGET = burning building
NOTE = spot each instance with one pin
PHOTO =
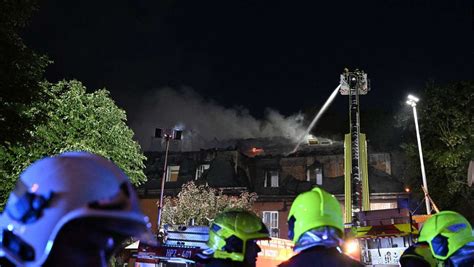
(266, 167)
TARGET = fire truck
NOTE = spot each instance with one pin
(378, 237)
(178, 247)
(181, 244)
(382, 236)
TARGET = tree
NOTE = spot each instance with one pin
(21, 70)
(446, 116)
(73, 120)
(202, 203)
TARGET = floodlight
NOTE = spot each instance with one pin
(414, 98)
(411, 103)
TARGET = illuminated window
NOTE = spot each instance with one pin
(270, 219)
(314, 175)
(200, 170)
(172, 173)
(271, 179)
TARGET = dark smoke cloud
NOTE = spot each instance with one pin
(204, 122)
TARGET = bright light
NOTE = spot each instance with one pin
(351, 247)
(411, 103)
(413, 98)
(179, 127)
(407, 189)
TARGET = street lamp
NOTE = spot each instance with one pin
(167, 134)
(412, 100)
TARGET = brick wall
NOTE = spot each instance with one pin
(282, 207)
(333, 165)
(150, 209)
(295, 167)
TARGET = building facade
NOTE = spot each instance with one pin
(266, 168)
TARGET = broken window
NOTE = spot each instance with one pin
(172, 173)
(271, 179)
(201, 169)
(270, 219)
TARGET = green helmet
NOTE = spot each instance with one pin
(313, 209)
(231, 230)
(446, 232)
(418, 254)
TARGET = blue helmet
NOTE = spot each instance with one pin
(54, 191)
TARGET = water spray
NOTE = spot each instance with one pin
(313, 123)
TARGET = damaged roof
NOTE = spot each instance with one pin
(235, 167)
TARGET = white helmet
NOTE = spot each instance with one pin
(56, 190)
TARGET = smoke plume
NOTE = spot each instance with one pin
(205, 122)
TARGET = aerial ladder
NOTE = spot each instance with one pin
(356, 179)
(378, 236)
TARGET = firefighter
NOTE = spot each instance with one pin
(315, 225)
(74, 209)
(448, 237)
(232, 239)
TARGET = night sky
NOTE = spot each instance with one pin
(285, 55)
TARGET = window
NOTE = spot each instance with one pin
(314, 175)
(270, 219)
(200, 170)
(172, 173)
(271, 179)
